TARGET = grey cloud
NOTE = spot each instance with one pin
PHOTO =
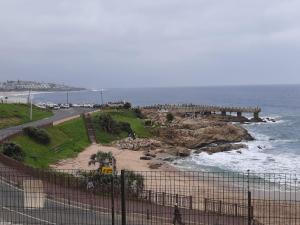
(150, 43)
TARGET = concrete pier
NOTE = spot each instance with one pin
(207, 109)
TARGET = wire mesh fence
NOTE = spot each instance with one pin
(29, 196)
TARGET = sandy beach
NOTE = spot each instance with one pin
(14, 97)
(126, 159)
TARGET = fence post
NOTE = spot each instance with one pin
(163, 198)
(123, 204)
(249, 200)
(149, 196)
(235, 210)
(191, 202)
(112, 200)
(205, 202)
(249, 209)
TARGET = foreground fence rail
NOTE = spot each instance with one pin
(29, 196)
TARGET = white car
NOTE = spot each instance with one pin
(65, 106)
(41, 106)
(56, 107)
(87, 105)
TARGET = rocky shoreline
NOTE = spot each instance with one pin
(185, 136)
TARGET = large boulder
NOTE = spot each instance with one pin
(221, 148)
(155, 164)
(145, 157)
(178, 151)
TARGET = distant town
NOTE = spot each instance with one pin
(20, 85)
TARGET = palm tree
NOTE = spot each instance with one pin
(102, 158)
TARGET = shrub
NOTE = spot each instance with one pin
(124, 126)
(127, 105)
(134, 183)
(14, 151)
(148, 123)
(138, 113)
(39, 135)
(170, 117)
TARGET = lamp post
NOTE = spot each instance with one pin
(67, 97)
(101, 93)
(31, 97)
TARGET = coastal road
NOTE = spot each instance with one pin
(58, 115)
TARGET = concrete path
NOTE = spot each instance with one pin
(58, 115)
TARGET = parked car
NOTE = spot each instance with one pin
(64, 106)
(56, 107)
(97, 106)
(87, 105)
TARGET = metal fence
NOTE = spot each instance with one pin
(29, 196)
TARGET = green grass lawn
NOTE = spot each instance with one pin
(67, 140)
(128, 116)
(16, 114)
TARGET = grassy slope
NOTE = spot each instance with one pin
(67, 140)
(16, 114)
(125, 116)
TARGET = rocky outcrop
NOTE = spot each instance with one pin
(200, 135)
(155, 164)
(221, 148)
(138, 144)
(178, 151)
(209, 134)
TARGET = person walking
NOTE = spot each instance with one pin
(177, 216)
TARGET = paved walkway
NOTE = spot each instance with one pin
(58, 115)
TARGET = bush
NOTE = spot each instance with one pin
(14, 151)
(170, 117)
(134, 183)
(138, 113)
(39, 135)
(127, 105)
(148, 123)
(124, 126)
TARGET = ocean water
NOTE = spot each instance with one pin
(277, 145)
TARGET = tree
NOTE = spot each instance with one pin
(107, 123)
(102, 158)
(170, 117)
(127, 105)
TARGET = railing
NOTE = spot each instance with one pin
(231, 209)
(204, 108)
(71, 197)
(167, 199)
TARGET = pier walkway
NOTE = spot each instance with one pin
(207, 109)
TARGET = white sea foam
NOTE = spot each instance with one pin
(258, 158)
(255, 159)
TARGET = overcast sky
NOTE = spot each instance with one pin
(133, 43)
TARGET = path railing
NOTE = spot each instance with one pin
(32, 196)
